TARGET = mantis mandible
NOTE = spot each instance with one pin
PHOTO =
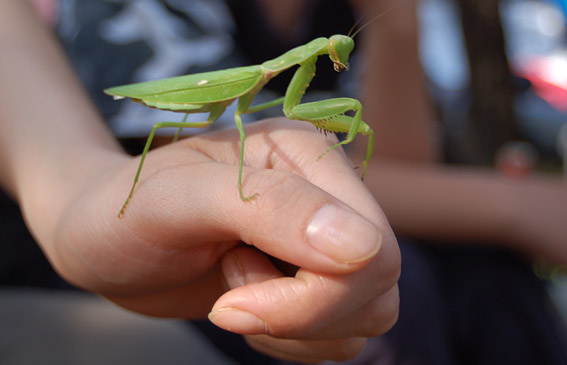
(212, 92)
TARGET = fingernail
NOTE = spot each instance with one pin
(239, 321)
(343, 235)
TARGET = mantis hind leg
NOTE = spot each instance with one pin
(215, 113)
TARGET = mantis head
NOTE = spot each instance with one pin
(340, 47)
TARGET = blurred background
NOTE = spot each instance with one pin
(528, 40)
(496, 73)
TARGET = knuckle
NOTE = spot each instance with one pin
(281, 193)
(347, 349)
(382, 315)
(307, 351)
(390, 261)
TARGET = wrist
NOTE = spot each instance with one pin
(47, 192)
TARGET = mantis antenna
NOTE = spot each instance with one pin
(369, 22)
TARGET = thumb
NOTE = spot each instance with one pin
(291, 219)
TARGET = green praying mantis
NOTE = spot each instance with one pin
(212, 92)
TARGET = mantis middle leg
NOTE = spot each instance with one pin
(242, 108)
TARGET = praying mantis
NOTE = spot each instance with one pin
(212, 92)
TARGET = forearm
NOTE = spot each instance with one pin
(437, 203)
(53, 144)
(466, 205)
(49, 131)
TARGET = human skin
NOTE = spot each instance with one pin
(188, 246)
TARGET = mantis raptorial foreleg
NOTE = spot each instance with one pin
(346, 120)
(330, 115)
(326, 114)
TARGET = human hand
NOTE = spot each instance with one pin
(178, 247)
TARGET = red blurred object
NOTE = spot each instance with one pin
(516, 159)
(548, 76)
